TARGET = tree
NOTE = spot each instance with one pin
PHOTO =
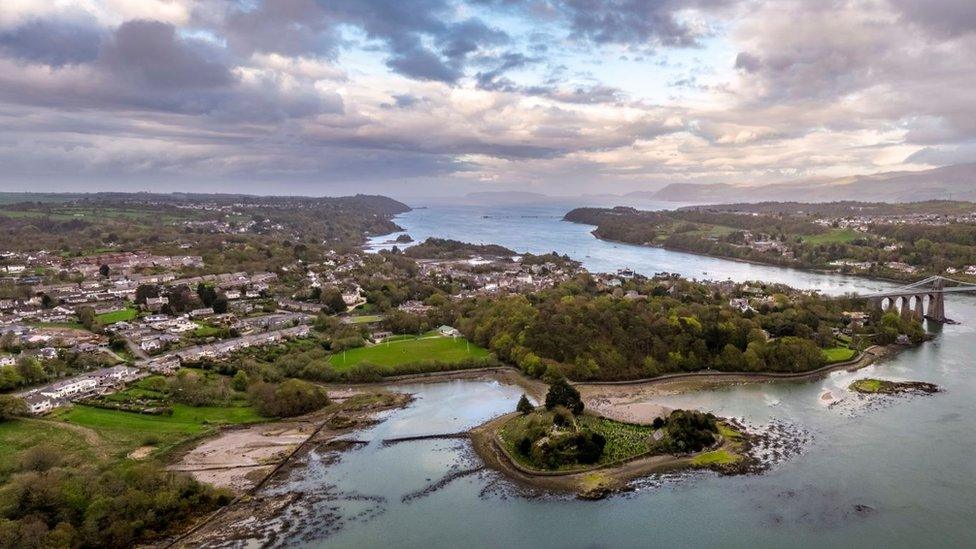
(332, 299)
(561, 393)
(104, 270)
(524, 406)
(12, 407)
(181, 299)
(145, 291)
(86, 315)
(207, 294)
(220, 304)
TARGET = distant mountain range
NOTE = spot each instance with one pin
(956, 182)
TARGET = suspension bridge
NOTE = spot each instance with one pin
(922, 299)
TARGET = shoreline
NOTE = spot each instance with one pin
(510, 373)
(812, 270)
(863, 359)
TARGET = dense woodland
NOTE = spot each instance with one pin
(580, 332)
(441, 248)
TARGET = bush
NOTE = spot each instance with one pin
(190, 388)
(287, 399)
(561, 393)
(12, 407)
(590, 446)
(240, 381)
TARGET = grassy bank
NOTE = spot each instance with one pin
(838, 354)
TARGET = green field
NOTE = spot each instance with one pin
(126, 315)
(409, 350)
(127, 430)
(833, 236)
(838, 354)
(364, 319)
(65, 212)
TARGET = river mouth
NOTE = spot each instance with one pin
(870, 472)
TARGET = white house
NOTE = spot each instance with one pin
(39, 403)
(449, 331)
(70, 388)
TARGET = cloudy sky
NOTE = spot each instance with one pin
(427, 97)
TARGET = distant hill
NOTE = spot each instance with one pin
(378, 204)
(956, 182)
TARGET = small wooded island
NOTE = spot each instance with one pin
(872, 386)
(558, 446)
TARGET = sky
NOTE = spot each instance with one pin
(445, 97)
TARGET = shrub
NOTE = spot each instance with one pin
(562, 417)
(240, 381)
(11, 407)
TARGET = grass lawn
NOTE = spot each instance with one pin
(127, 430)
(838, 354)
(715, 457)
(364, 319)
(72, 325)
(867, 385)
(406, 351)
(206, 330)
(126, 315)
(833, 236)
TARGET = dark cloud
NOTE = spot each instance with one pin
(943, 17)
(747, 62)
(492, 79)
(419, 37)
(637, 23)
(151, 53)
(52, 42)
(467, 37)
(421, 63)
(287, 27)
(405, 100)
